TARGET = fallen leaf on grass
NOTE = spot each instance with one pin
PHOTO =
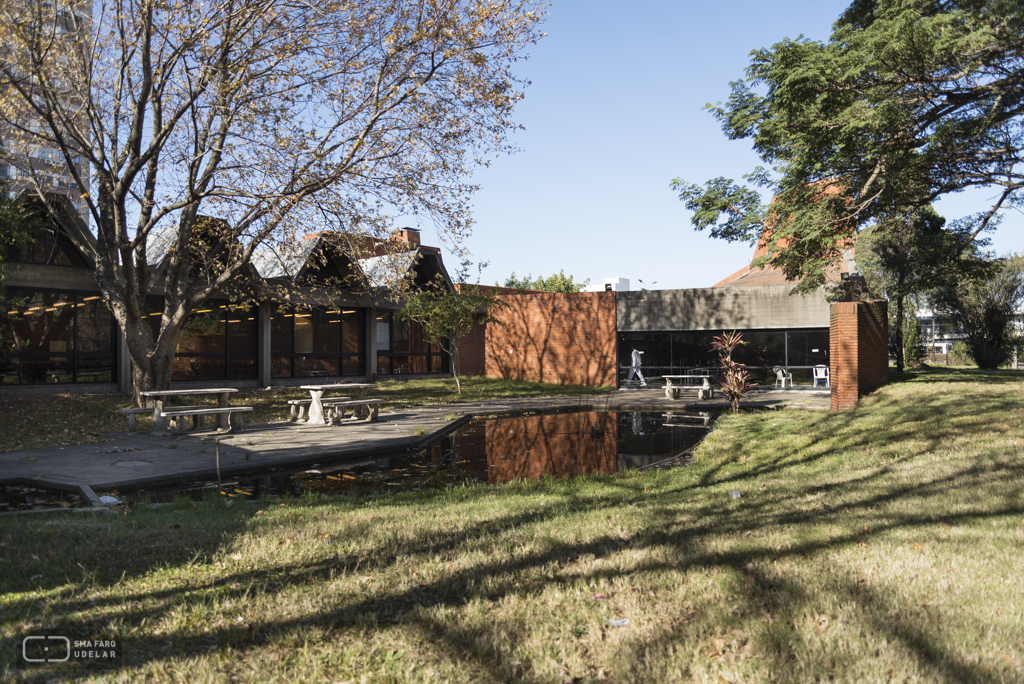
(943, 536)
(917, 546)
(325, 535)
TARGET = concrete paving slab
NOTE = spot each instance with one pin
(141, 460)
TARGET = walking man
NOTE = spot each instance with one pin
(634, 368)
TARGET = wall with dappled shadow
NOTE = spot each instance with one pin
(566, 339)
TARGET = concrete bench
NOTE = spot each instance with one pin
(197, 414)
(336, 410)
(132, 412)
(297, 407)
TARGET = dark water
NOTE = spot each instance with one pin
(20, 498)
(491, 450)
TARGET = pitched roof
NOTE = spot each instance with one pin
(284, 260)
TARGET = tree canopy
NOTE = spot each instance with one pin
(272, 117)
(558, 282)
(985, 307)
(908, 100)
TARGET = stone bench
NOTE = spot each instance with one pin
(132, 412)
(198, 413)
(336, 410)
(297, 407)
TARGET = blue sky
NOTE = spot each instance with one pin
(613, 114)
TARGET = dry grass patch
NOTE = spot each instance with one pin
(877, 545)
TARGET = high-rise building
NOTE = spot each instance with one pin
(30, 159)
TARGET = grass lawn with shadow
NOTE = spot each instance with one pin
(880, 544)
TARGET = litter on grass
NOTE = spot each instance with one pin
(617, 623)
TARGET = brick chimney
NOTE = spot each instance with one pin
(410, 235)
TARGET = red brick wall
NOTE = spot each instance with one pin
(567, 339)
(859, 343)
(473, 351)
(873, 344)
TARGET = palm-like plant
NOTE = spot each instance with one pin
(732, 377)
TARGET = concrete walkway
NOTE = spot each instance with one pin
(142, 460)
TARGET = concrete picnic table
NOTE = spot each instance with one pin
(316, 407)
(223, 395)
(675, 383)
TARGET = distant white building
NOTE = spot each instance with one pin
(611, 285)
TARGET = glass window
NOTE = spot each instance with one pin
(281, 330)
(763, 348)
(95, 324)
(327, 331)
(384, 331)
(203, 332)
(56, 337)
(241, 331)
(352, 331)
(402, 348)
(317, 342)
(217, 342)
(303, 331)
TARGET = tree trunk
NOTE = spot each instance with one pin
(453, 358)
(149, 372)
(899, 333)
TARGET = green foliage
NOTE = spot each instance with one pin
(960, 354)
(913, 349)
(555, 283)
(447, 315)
(906, 102)
(906, 255)
(984, 307)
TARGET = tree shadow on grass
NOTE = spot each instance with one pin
(689, 543)
(680, 532)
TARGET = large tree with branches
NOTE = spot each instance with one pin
(909, 100)
(273, 117)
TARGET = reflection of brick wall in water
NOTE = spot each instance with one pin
(560, 445)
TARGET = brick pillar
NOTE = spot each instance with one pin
(859, 349)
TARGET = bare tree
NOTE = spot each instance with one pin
(271, 116)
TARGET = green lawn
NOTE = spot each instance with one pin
(58, 420)
(883, 544)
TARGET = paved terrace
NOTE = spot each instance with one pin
(133, 461)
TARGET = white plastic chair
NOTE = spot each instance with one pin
(821, 373)
(782, 376)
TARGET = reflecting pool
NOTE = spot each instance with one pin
(493, 450)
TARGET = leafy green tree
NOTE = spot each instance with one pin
(907, 101)
(910, 254)
(447, 315)
(558, 282)
(985, 308)
(912, 348)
